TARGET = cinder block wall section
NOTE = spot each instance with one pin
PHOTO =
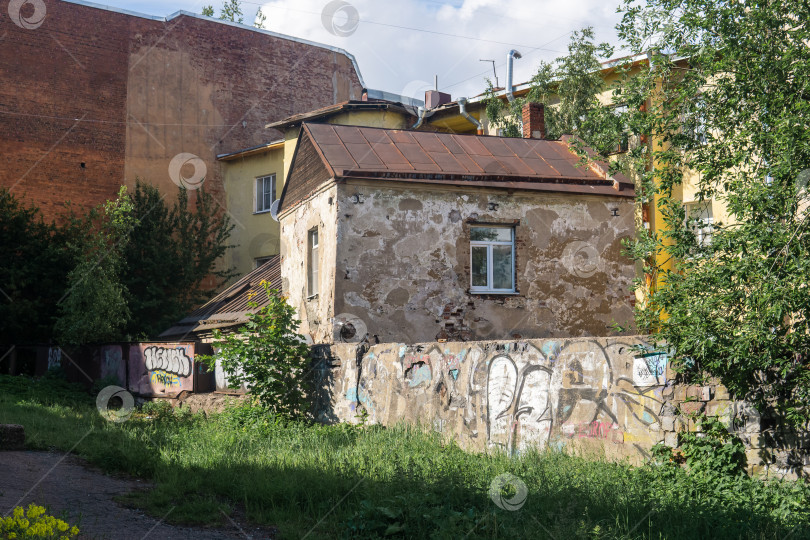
(93, 98)
(602, 397)
(773, 447)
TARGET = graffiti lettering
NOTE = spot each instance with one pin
(54, 358)
(594, 430)
(169, 360)
(518, 406)
(518, 395)
(164, 378)
(438, 425)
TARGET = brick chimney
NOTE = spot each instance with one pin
(534, 125)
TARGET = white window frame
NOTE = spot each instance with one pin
(313, 262)
(703, 227)
(489, 244)
(258, 202)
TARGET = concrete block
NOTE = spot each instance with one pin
(718, 408)
(692, 407)
(706, 393)
(668, 423)
(12, 437)
(754, 457)
(671, 439)
(752, 426)
(680, 393)
(694, 392)
(757, 470)
(668, 409)
(752, 440)
(721, 392)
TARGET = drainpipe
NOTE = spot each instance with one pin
(510, 56)
(462, 110)
(421, 117)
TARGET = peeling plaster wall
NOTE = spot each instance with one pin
(320, 211)
(591, 395)
(403, 263)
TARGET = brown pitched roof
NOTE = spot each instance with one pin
(447, 158)
(230, 307)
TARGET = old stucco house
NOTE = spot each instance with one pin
(418, 236)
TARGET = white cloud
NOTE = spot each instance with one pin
(393, 56)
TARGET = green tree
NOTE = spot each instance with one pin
(231, 10)
(569, 87)
(172, 257)
(35, 258)
(727, 97)
(261, 19)
(94, 308)
(269, 356)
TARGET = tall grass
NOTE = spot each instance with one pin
(369, 482)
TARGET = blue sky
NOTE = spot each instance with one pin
(400, 45)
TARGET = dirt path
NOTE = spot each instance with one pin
(68, 484)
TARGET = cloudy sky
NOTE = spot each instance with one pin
(400, 45)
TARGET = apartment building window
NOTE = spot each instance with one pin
(492, 259)
(257, 262)
(265, 192)
(701, 220)
(312, 262)
(695, 123)
(620, 111)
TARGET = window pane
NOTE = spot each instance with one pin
(312, 263)
(259, 195)
(479, 266)
(502, 267)
(491, 234)
(268, 192)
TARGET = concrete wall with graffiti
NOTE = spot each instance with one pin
(588, 394)
(161, 369)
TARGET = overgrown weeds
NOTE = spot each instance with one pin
(370, 482)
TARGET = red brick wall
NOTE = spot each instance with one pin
(125, 94)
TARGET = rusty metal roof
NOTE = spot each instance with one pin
(430, 157)
(230, 307)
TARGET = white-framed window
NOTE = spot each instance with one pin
(695, 122)
(492, 259)
(265, 192)
(701, 220)
(312, 262)
(258, 261)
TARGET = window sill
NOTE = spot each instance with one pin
(261, 212)
(493, 293)
(312, 297)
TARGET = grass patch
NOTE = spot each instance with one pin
(350, 482)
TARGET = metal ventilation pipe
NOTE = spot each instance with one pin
(510, 56)
(462, 110)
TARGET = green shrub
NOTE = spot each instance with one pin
(269, 356)
(712, 451)
(158, 410)
(35, 523)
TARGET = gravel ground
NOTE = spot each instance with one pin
(65, 483)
